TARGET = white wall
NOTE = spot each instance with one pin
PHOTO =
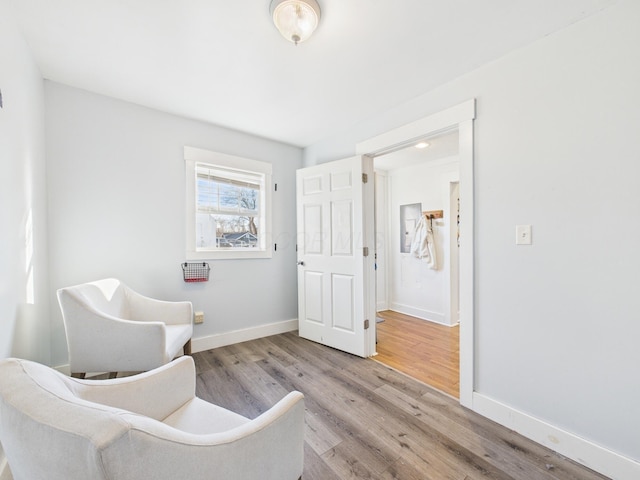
(24, 312)
(24, 319)
(414, 288)
(116, 181)
(555, 146)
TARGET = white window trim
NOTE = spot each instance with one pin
(192, 156)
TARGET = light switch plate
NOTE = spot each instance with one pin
(523, 234)
(198, 317)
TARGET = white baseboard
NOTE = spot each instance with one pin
(382, 306)
(583, 451)
(237, 336)
(434, 317)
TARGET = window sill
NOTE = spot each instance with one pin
(228, 254)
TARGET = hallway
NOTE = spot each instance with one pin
(426, 351)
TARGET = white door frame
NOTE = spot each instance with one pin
(461, 117)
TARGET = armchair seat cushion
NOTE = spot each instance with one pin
(177, 336)
(200, 417)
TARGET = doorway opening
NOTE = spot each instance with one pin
(460, 118)
(417, 291)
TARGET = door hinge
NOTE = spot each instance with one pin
(365, 251)
(366, 324)
(365, 178)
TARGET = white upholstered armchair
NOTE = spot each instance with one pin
(111, 328)
(147, 426)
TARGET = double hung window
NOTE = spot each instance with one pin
(228, 206)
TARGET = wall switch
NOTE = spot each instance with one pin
(198, 317)
(523, 234)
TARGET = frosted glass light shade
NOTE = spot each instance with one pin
(295, 19)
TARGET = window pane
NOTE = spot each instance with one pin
(230, 202)
(207, 195)
(228, 197)
(226, 231)
(249, 200)
(228, 210)
(219, 197)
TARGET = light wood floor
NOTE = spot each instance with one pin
(366, 420)
(424, 350)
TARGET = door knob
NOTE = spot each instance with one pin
(301, 263)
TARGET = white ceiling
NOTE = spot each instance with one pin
(439, 146)
(223, 62)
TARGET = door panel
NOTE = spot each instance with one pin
(342, 228)
(313, 229)
(313, 296)
(343, 302)
(334, 275)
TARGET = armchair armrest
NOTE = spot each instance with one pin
(156, 393)
(146, 309)
(100, 342)
(270, 447)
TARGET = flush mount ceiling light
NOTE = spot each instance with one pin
(422, 145)
(295, 19)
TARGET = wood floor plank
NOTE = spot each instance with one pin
(320, 436)
(367, 420)
(315, 467)
(370, 415)
(467, 438)
(356, 458)
(423, 350)
(493, 436)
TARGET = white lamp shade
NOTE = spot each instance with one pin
(295, 19)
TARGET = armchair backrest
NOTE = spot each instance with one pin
(46, 430)
(106, 296)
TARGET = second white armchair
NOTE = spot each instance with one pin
(112, 328)
(146, 426)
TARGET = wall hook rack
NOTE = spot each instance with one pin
(431, 214)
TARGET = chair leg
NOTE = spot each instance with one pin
(80, 375)
(187, 348)
(113, 375)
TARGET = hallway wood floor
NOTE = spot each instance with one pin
(423, 350)
(366, 420)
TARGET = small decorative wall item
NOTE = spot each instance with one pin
(409, 216)
(195, 272)
(458, 224)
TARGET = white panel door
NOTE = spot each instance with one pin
(336, 289)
